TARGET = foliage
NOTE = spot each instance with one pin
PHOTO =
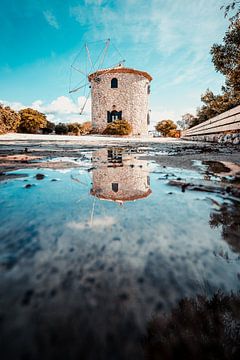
(226, 59)
(74, 128)
(188, 120)
(118, 127)
(174, 133)
(50, 127)
(31, 121)
(9, 119)
(86, 128)
(233, 6)
(61, 129)
(197, 328)
(165, 126)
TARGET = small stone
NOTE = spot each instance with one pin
(116, 238)
(40, 176)
(28, 186)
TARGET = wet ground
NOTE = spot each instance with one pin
(119, 253)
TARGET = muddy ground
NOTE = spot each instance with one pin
(32, 154)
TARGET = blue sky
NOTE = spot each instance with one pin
(170, 39)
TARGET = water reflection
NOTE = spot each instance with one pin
(119, 176)
(81, 282)
(227, 217)
(198, 328)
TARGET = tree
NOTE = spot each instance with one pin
(86, 128)
(50, 127)
(165, 126)
(188, 120)
(226, 59)
(9, 119)
(61, 129)
(31, 121)
(233, 6)
(118, 127)
(74, 128)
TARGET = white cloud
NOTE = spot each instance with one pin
(95, 223)
(61, 109)
(51, 19)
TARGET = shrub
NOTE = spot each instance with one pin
(165, 126)
(50, 127)
(118, 127)
(174, 133)
(61, 129)
(74, 128)
(86, 128)
(31, 121)
(9, 119)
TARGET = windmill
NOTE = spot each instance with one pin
(92, 57)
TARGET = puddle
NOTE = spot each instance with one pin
(102, 250)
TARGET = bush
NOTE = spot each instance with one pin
(61, 129)
(50, 127)
(31, 121)
(165, 126)
(118, 127)
(86, 128)
(9, 119)
(74, 128)
(174, 133)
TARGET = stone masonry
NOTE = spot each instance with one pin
(119, 176)
(130, 98)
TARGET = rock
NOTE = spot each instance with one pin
(40, 176)
(28, 186)
(236, 141)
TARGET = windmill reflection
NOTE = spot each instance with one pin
(119, 176)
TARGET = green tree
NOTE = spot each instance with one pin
(31, 121)
(9, 119)
(226, 59)
(50, 127)
(165, 126)
(74, 128)
(232, 9)
(61, 129)
(188, 120)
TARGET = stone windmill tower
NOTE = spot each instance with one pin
(120, 93)
(117, 92)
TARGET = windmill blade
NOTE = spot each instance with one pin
(86, 100)
(78, 88)
(79, 70)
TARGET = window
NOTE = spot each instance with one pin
(115, 187)
(114, 115)
(114, 83)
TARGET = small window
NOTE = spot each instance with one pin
(148, 89)
(148, 118)
(115, 187)
(114, 83)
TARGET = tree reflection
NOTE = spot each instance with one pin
(228, 217)
(198, 328)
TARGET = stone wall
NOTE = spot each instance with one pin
(223, 128)
(131, 97)
(230, 138)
